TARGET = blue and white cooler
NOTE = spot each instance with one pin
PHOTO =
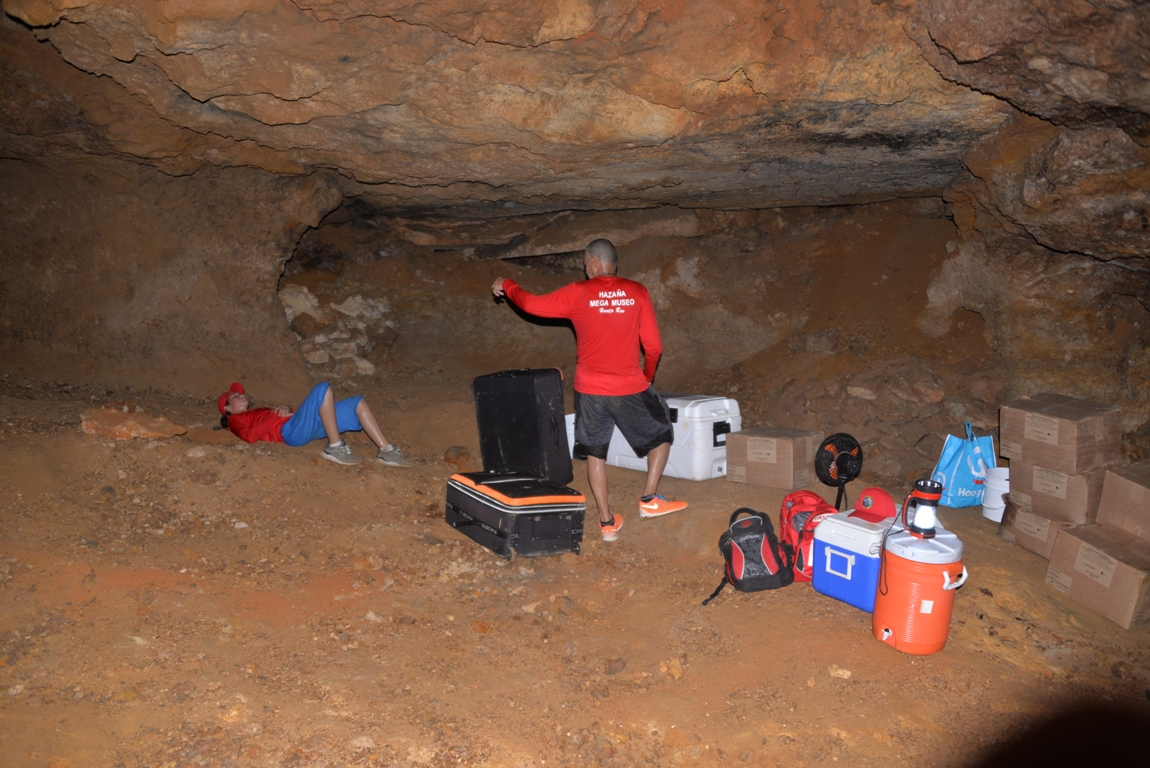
(848, 548)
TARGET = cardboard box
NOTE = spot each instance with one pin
(1062, 433)
(1032, 532)
(1106, 570)
(1125, 503)
(1056, 495)
(773, 457)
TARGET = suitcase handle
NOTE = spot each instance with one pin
(469, 520)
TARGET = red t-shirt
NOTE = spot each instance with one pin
(258, 424)
(613, 318)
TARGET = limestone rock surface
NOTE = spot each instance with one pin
(1066, 61)
(123, 424)
(500, 104)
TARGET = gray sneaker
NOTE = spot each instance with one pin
(394, 457)
(341, 454)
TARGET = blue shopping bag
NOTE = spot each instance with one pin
(961, 469)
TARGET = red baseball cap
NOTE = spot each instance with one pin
(236, 388)
(874, 505)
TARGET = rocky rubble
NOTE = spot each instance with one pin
(125, 423)
(340, 339)
(900, 411)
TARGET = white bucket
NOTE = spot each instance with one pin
(997, 484)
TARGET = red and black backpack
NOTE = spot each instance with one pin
(754, 558)
(801, 512)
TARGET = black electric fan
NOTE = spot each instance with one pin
(838, 461)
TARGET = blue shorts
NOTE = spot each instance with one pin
(305, 425)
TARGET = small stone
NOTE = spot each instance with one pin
(240, 525)
(296, 300)
(928, 391)
(373, 617)
(204, 477)
(305, 325)
(343, 350)
(316, 356)
(363, 367)
(457, 456)
(197, 453)
(862, 392)
(530, 607)
(481, 627)
(839, 672)
(675, 669)
(16, 690)
(614, 666)
(385, 337)
(351, 306)
(362, 742)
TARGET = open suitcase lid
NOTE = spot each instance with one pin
(520, 419)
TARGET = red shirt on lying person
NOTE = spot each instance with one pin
(258, 424)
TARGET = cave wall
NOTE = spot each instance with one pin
(1053, 210)
(115, 272)
(1053, 235)
(153, 151)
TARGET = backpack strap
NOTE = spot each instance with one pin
(742, 511)
(718, 589)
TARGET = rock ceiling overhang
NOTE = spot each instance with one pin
(506, 104)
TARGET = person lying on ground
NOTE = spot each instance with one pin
(319, 415)
(615, 329)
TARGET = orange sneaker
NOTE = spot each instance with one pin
(610, 530)
(657, 506)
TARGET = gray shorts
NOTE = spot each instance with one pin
(643, 418)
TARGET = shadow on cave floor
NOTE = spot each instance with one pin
(1087, 734)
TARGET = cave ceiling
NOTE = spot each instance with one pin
(482, 106)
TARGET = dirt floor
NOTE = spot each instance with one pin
(196, 601)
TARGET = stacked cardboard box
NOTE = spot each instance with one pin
(1032, 532)
(1107, 566)
(1058, 448)
(772, 456)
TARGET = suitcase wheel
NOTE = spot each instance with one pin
(510, 554)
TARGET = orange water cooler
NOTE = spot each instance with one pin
(920, 569)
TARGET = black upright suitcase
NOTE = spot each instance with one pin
(521, 426)
(520, 505)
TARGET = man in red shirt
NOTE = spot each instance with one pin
(614, 328)
(319, 415)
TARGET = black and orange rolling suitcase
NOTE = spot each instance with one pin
(520, 505)
(514, 514)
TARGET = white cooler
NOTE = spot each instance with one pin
(701, 425)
